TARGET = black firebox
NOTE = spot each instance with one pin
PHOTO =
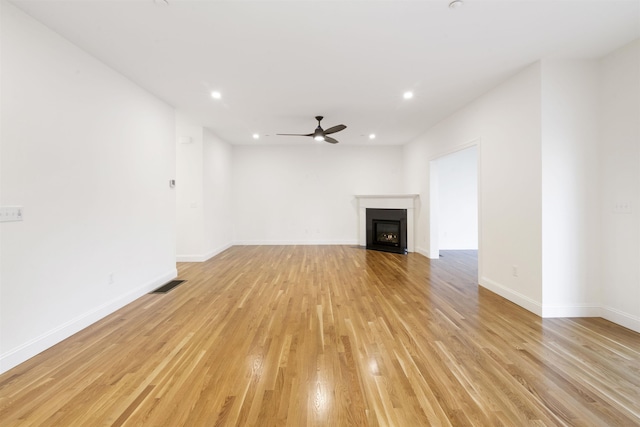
(387, 230)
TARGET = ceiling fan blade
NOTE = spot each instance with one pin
(295, 134)
(335, 129)
(331, 140)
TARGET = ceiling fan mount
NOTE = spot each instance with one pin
(320, 134)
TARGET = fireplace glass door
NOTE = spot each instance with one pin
(386, 233)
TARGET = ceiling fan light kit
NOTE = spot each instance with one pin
(320, 134)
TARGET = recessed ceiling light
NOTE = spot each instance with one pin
(407, 95)
(372, 136)
(456, 4)
(216, 95)
(256, 136)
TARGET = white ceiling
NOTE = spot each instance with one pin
(280, 63)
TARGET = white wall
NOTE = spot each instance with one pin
(88, 155)
(620, 154)
(559, 165)
(505, 123)
(458, 200)
(203, 187)
(217, 200)
(570, 188)
(189, 189)
(305, 194)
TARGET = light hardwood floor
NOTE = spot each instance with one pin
(330, 336)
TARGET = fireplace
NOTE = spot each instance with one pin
(387, 230)
(406, 202)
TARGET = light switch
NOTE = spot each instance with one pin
(10, 213)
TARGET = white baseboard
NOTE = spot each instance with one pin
(217, 251)
(38, 344)
(621, 318)
(203, 257)
(578, 310)
(515, 297)
(581, 310)
(423, 251)
(295, 242)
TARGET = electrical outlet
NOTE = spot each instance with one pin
(10, 213)
(110, 278)
(622, 207)
(515, 271)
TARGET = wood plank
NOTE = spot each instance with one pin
(330, 335)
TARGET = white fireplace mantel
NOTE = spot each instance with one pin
(387, 201)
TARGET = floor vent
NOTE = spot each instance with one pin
(166, 288)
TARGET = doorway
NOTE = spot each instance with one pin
(454, 202)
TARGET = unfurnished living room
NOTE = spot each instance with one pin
(319, 213)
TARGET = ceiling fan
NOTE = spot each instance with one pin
(320, 134)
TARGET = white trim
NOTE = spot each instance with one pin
(621, 318)
(48, 339)
(578, 310)
(434, 209)
(549, 311)
(478, 143)
(423, 251)
(217, 251)
(294, 242)
(375, 197)
(471, 143)
(515, 297)
(386, 201)
(434, 245)
(204, 257)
